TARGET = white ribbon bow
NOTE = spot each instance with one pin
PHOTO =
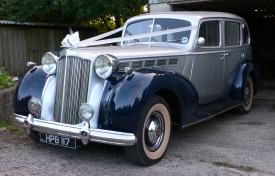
(71, 41)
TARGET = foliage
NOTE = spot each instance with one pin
(6, 126)
(5, 80)
(106, 14)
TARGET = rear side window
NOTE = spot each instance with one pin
(232, 33)
(210, 31)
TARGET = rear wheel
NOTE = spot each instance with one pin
(153, 133)
(248, 93)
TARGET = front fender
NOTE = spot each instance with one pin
(125, 96)
(30, 85)
(245, 69)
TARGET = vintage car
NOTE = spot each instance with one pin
(167, 68)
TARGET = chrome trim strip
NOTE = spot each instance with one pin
(64, 88)
(74, 131)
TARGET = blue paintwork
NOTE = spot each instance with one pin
(125, 97)
(30, 85)
(245, 69)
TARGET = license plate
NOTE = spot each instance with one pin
(58, 140)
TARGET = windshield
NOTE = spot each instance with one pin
(148, 26)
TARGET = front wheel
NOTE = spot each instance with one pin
(248, 93)
(153, 133)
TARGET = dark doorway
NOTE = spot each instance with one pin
(260, 15)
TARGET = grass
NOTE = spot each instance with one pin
(229, 165)
(5, 125)
(5, 79)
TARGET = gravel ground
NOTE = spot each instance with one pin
(227, 145)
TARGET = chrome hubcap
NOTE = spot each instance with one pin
(154, 131)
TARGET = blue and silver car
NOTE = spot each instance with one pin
(177, 68)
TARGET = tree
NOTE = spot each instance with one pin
(106, 14)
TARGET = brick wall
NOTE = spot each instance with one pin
(6, 98)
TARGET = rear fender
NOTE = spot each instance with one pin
(245, 69)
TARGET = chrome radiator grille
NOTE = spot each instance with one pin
(71, 88)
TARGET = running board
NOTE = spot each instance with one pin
(207, 112)
(219, 107)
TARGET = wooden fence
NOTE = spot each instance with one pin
(20, 43)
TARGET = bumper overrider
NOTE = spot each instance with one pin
(81, 132)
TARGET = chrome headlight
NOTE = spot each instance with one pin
(34, 106)
(49, 63)
(105, 65)
(85, 112)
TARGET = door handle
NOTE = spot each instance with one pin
(224, 55)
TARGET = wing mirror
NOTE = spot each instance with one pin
(31, 64)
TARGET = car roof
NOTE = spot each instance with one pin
(190, 15)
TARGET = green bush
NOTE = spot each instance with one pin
(5, 79)
(5, 125)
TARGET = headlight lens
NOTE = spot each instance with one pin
(49, 63)
(105, 65)
(34, 106)
(85, 112)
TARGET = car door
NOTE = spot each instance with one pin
(234, 51)
(208, 61)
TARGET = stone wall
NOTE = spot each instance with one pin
(6, 106)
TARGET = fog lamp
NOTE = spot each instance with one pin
(49, 63)
(85, 112)
(34, 106)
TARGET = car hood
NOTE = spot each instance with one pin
(133, 51)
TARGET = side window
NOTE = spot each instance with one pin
(210, 31)
(232, 33)
(245, 34)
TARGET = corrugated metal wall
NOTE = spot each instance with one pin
(20, 44)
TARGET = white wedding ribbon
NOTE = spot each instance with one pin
(90, 40)
(70, 41)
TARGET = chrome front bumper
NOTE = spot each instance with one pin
(81, 132)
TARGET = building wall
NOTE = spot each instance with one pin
(6, 106)
(164, 5)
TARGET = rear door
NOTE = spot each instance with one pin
(234, 51)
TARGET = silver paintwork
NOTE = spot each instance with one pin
(48, 97)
